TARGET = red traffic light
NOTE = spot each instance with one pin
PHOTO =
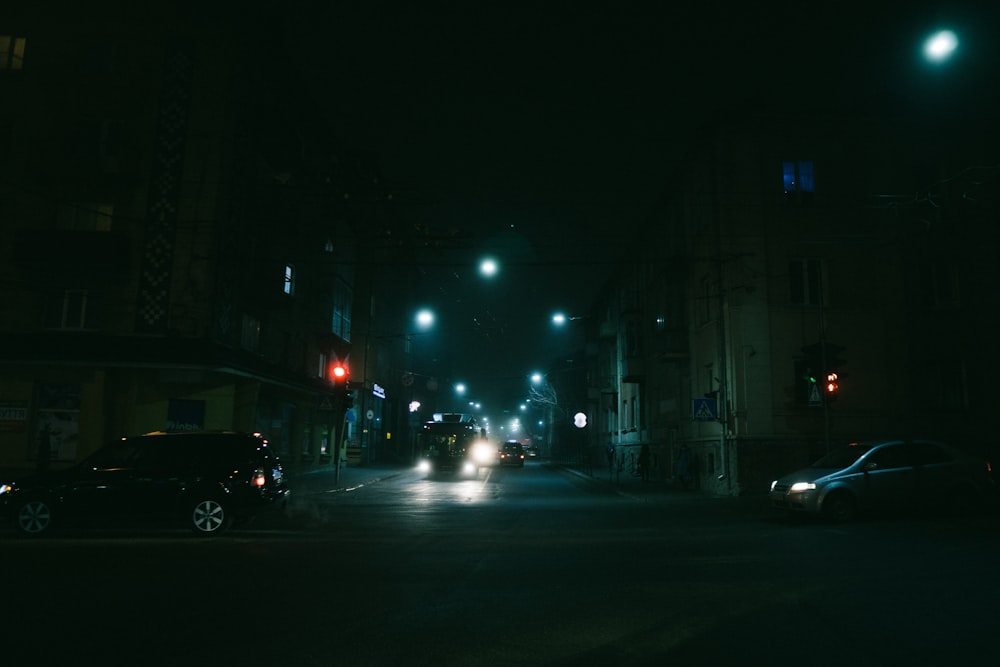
(831, 383)
(339, 372)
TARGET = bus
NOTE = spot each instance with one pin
(454, 442)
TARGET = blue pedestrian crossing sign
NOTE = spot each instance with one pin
(704, 409)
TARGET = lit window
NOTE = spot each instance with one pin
(341, 320)
(798, 176)
(289, 279)
(11, 52)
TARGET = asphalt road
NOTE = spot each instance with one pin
(529, 566)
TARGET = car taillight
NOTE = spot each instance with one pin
(259, 478)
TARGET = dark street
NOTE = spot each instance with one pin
(518, 567)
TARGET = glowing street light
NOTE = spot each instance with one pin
(940, 46)
(425, 319)
(488, 267)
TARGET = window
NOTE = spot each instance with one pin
(91, 139)
(68, 310)
(708, 297)
(632, 346)
(289, 286)
(321, 366)
(87, 217)
(250, 333)
(11, 52)
(805, 282)
(798, 176)
(341, 318)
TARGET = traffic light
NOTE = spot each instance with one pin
(823, 368)
(338, 373)
(349, 399)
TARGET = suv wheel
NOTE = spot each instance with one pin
(209, 517)
(34, 516)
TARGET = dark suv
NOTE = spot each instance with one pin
(511, 454)
(206, 480)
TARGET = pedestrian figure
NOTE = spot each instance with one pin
(644, 462)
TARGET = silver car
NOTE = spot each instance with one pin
(885, 475)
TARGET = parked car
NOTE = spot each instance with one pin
(511, 454)
(885, 475)
(204, 480)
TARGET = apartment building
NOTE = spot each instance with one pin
(177, 234)
(787, 251)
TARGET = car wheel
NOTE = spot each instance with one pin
(839, 506)
(34, 517)
(209, 516)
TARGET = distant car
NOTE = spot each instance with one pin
(511, 454)
(885, 475)
(204, 480)
(531, 452)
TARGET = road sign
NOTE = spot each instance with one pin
(704, 409)
(814, 397)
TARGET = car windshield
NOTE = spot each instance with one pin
(844, 456)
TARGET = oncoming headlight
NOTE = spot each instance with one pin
(483, 452)
(802, 486)
(424, 465)
(5, 488)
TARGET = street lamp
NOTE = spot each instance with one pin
(939, 47)
(425, 319)
(488, 267)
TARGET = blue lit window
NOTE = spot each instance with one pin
(798, 176)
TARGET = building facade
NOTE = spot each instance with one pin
(786, 257)
(178, 235)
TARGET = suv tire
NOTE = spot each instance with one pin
(34, 517)
(209, 516)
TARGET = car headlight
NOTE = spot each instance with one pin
(482, 452)
(773, 484)
(5, 488)
(469, 467)
(424, 465)
(798, 487)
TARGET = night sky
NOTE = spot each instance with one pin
(542, 133)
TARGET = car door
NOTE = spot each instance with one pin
(160, 476)
(889, 480)
(99, 487)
